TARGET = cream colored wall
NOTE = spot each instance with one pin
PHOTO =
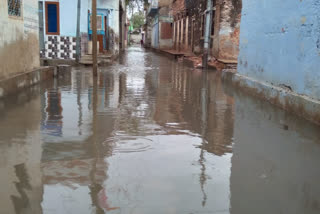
(19, 43)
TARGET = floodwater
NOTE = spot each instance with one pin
(150, 136)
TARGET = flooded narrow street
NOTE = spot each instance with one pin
(151, 136)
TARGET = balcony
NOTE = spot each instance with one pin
(153, 8)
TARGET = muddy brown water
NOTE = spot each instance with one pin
(150, 136)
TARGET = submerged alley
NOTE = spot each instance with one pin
(151, 135)
(159, 107)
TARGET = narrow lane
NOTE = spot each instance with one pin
(152, 136)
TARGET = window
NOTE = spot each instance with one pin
(99, 22)
(52, 18)
(14, 7)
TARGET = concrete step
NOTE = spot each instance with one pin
(86, 62)
(87, 59)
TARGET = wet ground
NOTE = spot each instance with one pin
(150, 136)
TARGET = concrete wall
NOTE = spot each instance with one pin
(285, 49)
(19, 43)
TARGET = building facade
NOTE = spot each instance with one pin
(159, 29)
(18, 37)
(189, 27)
(59, 27)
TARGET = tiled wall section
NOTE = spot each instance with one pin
(60, 47)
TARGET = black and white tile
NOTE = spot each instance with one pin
(60, 47)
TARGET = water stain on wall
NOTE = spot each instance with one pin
(20, 56)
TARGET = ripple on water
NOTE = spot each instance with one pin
(126, 144)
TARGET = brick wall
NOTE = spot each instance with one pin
(178, 6)
(166, 30)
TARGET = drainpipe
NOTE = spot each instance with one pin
(78, 33)
(207, 39)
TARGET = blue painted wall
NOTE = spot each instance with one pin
(68, 17)
(280, 43)
(113, 7)
(85, 6)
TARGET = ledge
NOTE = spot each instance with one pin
(290, 101)
(21, 81)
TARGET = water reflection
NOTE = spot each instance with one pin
(274, 169)
(21, 188)
(152, 136)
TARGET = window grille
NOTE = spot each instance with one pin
(14, 7)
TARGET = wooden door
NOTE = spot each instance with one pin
(100, 39)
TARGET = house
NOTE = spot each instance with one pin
(59, 27)
(159, 28)
(189, 27)
(19, 43)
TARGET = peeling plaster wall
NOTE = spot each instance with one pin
(196, 9)
(285, 49)
(178, 11)
(19, 39)
(226, 40)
